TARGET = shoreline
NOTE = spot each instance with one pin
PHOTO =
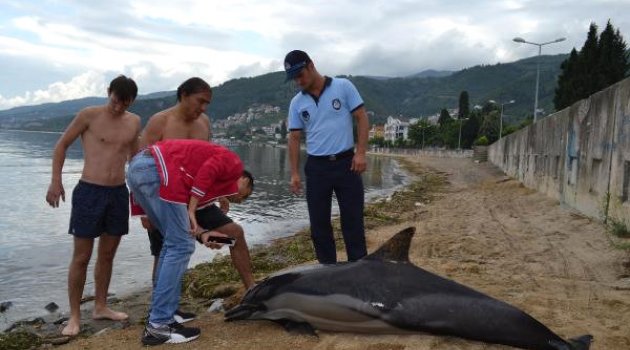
(199, 290)
(475, 226)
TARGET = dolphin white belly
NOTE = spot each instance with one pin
(339, 313)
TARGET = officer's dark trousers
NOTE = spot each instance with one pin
(323, 176)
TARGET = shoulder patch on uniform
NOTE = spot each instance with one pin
(305, 116)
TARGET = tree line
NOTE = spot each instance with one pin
(602, 61)
(477, 126)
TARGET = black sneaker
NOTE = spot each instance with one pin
(183, 316)
(173, 333)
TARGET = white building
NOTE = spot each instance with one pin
(395, 129)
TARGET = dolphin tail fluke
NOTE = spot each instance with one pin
(581, 343)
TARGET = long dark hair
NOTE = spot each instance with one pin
(193, 86)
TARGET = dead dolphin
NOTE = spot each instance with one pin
(385, 293)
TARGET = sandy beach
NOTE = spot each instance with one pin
(479, 228)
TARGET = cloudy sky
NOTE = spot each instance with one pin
(54, 50)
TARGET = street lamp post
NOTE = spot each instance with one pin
(540, 45)
(501, 118)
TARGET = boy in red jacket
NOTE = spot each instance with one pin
(170, 180)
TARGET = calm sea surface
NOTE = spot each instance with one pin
(35, 248)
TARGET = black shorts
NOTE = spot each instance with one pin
(99, 209)
(209, 218)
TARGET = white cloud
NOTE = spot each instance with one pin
(87, 84)
(163, 42)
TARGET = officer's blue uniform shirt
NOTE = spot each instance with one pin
(327, 121)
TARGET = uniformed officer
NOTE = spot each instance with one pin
(324, 110)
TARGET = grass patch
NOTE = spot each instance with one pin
(621, 245)
(219, 279)
(19, 341)
(618, 228)
(619, 232)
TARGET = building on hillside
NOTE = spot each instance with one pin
(433, 119)
(377, 131)
(395, 128)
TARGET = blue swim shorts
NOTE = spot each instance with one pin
(98, 209)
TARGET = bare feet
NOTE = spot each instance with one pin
(72, 328)
(108, 314)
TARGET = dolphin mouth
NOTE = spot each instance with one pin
(240, 312)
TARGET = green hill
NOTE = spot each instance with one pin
(409, 96)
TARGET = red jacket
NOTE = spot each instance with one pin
(195, 168)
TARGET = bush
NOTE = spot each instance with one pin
(482, 141)
(619, 228)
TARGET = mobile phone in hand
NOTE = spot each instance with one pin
(223, 240)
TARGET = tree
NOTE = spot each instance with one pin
(470, 129)
(283, 130)
(600, 63)
(612, 59)
(378, 141)
(464, 105)
(400, 142)
(445, 117)
(566, 91)
(490, 126)
(449, 134)
(423, 134)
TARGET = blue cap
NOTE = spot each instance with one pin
(294, 62)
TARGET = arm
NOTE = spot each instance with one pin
(363, 129)
(199, 232)
(55, 190)
(135, 143)
(224, 204)
(152, 132)
(192, 208)
(294, 160)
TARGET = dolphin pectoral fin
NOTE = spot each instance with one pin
(239, 312)
(579, 343)
(396, 248)
(294, 327)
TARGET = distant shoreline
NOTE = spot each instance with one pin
(37, 131)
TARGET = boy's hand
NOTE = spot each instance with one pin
(146, 223)
(195, 230)
(55, 190)
(205, 236)
(224, 204)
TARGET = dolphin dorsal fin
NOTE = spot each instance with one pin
(396, 248)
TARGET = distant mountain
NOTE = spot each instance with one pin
(431, 73)
(158, 94)
(428, 73)
(377, 77)
(414, 97)
(420, 95)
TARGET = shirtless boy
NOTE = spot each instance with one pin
(100, 201)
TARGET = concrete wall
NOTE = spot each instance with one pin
(578, 155)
